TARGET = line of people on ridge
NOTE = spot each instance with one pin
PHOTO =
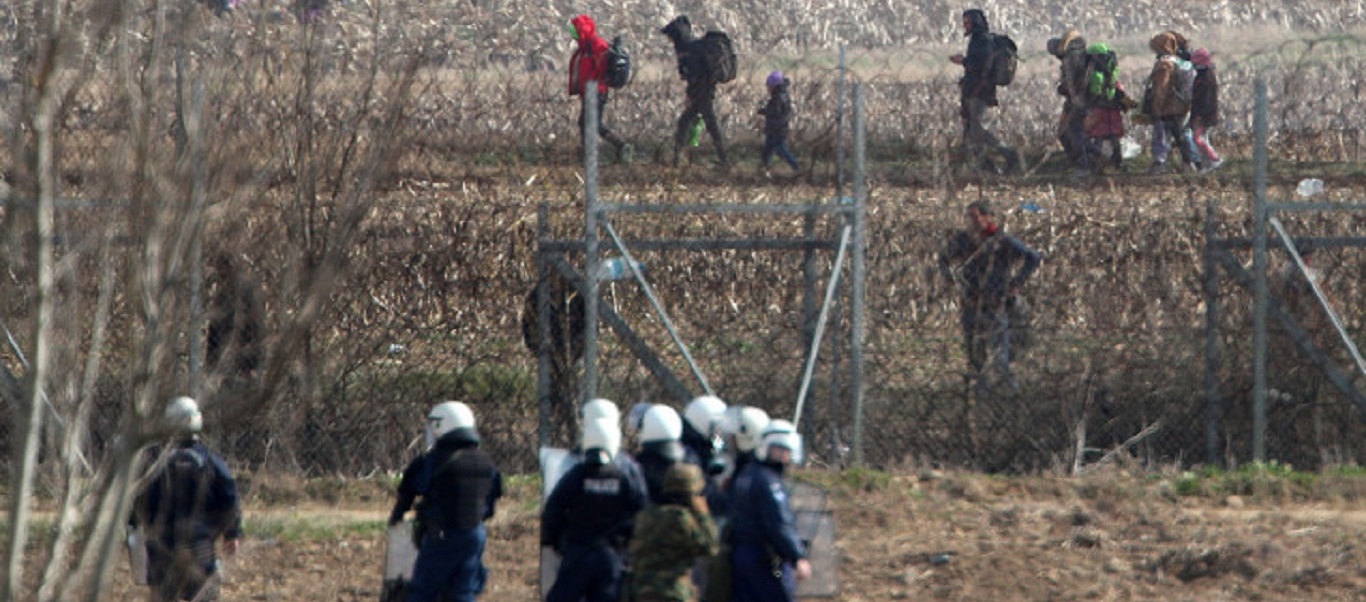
(1180, 100)
(704, 63)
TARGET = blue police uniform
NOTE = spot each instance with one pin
(459, 486)
(764, 540)
(188, 504)
(588, 519)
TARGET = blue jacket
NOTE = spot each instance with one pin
(191, 498)
(593, 504)
(985, 270)
(761, 513)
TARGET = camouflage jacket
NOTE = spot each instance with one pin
(668, 539)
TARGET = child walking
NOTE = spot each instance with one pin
(1205, 107)
(777, 114)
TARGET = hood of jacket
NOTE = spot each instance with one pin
(585, 30)
(978, 20)
(1072, 40)
(1165, 43)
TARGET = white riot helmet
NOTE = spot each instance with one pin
(749, 427)
(661, 423)
(600, 408)
(447, 417)
(182, 415)
(780, 433)
(635, 417)
(601, 437)
(704, 414)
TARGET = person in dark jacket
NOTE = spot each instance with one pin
(1205, 107)
(981, 260)
(189, 503)
(589, 63)
(236, 320)
(768, 556)
(700, 91)
(459, 486)
(777, 114)
(976, 94)
(588, 519)
(660, 447)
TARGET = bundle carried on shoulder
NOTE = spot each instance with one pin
(1003, 60)
(711, 56)
(716, 55)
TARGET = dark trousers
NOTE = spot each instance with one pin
(778, 145)
(754, 579)
(603, 132)
(986, 336)
(182, 571)
(978, 142)
(591, 573)
(450, 562)
(704, 105)
(1081, 150)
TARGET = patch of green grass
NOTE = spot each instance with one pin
(311, 528)
(1264, 479)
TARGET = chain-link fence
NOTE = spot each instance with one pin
(430, 305)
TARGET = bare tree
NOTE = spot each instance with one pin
(131, 114)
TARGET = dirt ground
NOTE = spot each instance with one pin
(922, 536)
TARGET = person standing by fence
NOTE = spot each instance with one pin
(981, 261)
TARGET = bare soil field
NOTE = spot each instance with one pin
(1105, 536)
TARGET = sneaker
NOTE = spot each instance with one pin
(1157, 169)
(1213, 166)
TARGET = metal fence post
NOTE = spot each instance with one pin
(544, 366)
(858, 326)
(1212, 407)
(589, 387)
(1260, 292)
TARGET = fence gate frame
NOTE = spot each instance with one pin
(1219, 258)
(849, 239)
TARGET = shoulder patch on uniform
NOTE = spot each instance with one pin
(778, 492)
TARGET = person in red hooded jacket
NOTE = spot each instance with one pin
(589, 63)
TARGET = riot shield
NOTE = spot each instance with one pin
(816, 527)
(555, 462)
(400, 554)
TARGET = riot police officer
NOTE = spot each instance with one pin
(767, 554)
(589, 516)
(459, 485)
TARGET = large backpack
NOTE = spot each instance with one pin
(618, 64)
(717, 56)
(1184, 80)
(1102, 74)
(1003, 60)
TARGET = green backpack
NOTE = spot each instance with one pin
(1102, 73)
